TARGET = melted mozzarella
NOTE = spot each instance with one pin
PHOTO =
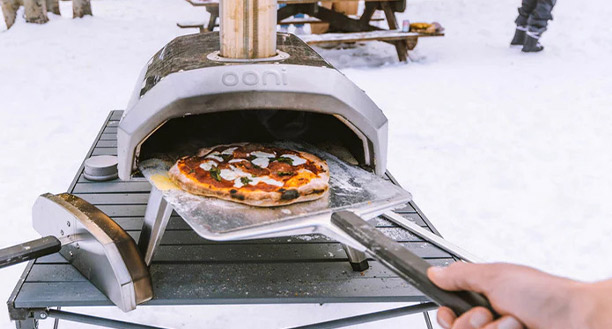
(265, 179)
(261, 162)
(260, 154)
(229, 151)
(214, 156)
(296, 160)
(228, 174)
(208, 165)
(240, 172)
(234, 174)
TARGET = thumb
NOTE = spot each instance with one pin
(461, 276)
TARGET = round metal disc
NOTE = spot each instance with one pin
(216, 56)
(101, 168)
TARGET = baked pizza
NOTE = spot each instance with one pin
(253, 174)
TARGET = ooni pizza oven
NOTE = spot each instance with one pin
(188, 96)
(185, 94)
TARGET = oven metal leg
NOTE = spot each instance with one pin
(156, 219)
(358, 259)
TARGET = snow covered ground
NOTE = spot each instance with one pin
(508, 154)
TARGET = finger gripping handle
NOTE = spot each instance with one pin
(407, 265)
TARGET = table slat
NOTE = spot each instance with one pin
(283, 251)
(182, 284)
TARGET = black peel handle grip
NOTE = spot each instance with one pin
(29, 250)
(407, 265)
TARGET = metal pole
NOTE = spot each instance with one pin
(376, 316)
(56, 321)
(432, 238)
(89, 319)
(427, 320)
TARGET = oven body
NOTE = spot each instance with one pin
(183, 92)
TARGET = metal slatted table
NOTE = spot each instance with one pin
(188, 270)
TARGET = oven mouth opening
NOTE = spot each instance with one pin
(185, 135)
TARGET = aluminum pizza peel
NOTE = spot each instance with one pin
(92, 242)
(354, 197)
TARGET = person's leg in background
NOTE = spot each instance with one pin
(527, 7)
(536, 25)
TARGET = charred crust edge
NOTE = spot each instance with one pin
(238, 196)
(290, 195)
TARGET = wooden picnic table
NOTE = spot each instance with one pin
(355, 29)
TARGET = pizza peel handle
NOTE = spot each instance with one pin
(29, 250)
(404, 263)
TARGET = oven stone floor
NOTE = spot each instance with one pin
(190, 270)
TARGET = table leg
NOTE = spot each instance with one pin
(214, 14)
(290, 10)
(29, 323)
(400, 46)
(156, 219)
(368, 12)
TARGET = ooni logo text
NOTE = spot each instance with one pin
(254, 78)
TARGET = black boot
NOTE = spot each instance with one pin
(532, 44)
(519, 36)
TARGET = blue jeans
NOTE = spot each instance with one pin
(535, 14)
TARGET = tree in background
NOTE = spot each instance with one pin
(53, 6)
(9, 9)
(81, 8)
(36, 10)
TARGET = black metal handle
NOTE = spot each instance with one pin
(29, 250)
(407, 265)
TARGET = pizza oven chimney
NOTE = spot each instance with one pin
(247, 29)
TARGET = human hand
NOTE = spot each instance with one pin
(521, 295)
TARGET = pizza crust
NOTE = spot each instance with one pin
(293, 191)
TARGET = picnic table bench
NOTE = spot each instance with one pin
(344, 26)
(188, 270)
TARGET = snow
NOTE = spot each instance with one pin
(508, 154)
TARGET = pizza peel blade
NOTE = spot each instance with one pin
(354, 196)
(351, 188)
